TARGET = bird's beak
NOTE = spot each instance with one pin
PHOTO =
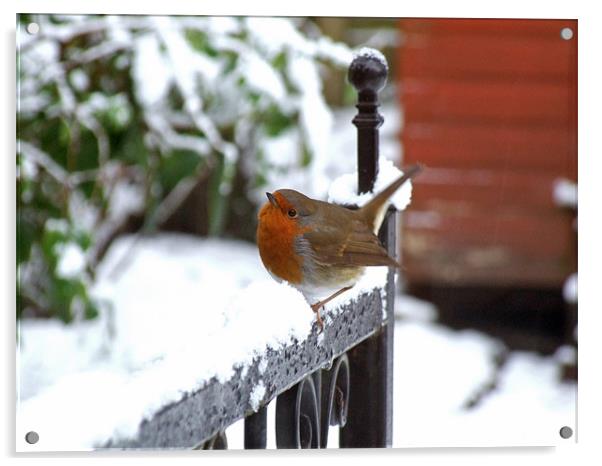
(272, 200)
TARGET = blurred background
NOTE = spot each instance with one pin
(158, 136)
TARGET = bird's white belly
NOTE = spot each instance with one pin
(327, 286)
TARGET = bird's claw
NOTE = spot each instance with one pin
(316, 308)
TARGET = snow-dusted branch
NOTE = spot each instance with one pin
(43, 160)
(167, 138)
(105, 49)
(189, 65)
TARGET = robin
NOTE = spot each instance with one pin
(322, 248)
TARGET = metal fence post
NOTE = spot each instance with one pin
(256, 430)
(370, 415)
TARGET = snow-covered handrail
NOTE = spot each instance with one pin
(198, 417)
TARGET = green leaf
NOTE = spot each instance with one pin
(200, 42)
(131, 148)
(86, 154)
(26, 236)
(275, 121)
(231, 60)
(62, 292)
(91, 310)
(306, 156)
(83, 239)
(279, 61)
(50, 240)
(177, 166)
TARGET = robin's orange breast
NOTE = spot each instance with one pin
(276, 243)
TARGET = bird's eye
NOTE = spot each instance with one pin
(292, 213)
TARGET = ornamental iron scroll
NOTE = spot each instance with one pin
(335, 397)
(297, 415)
(305, 412)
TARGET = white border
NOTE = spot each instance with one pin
(590, 232)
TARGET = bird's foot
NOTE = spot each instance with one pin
(316, 308)
(320, 304)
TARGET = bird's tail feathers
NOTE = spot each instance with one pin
(372, 209)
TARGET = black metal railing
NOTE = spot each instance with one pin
(343, 377)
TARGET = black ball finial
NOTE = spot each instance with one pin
(368, 71)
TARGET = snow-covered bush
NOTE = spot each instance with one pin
(124, 115)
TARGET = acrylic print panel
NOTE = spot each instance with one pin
(145, 316)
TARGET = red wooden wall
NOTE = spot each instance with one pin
(490, 107)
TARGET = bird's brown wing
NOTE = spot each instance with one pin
(360, 247)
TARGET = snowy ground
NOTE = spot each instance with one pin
(438, 370)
